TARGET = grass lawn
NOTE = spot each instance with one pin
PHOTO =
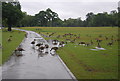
(83, 62)
(9, 47)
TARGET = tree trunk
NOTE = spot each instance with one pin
(9, 28)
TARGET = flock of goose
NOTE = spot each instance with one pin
(40, 45)
(76, 39)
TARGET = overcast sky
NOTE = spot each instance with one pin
(69, 8)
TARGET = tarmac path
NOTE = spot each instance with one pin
(33, 65)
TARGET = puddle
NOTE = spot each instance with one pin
(97, 49)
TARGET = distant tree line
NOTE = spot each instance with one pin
(49, 18)
(12, 16)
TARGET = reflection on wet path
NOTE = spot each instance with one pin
(35, 64)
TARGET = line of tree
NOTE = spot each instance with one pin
(49, 18)
(12, 16)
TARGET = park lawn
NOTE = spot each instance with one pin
(9, 47)
(87, 64)
(83, 62)
(85, 32)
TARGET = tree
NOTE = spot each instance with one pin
(52, 17)
(41, 19)
(102, 19)
(89, 19)
(114, 18)
(119, 16)
(11, 14)
(47, 18)
(27, 20)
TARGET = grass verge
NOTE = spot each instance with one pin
(9, 46)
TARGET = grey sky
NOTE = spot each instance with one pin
(69, 8)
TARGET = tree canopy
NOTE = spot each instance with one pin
(13, 16)
(46, 18)
(49, 18)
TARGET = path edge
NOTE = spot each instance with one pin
(67, 69)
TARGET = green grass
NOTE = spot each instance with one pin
(9, 47)
(81, 59)
(83, 62)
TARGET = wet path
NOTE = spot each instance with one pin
(33, 65)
